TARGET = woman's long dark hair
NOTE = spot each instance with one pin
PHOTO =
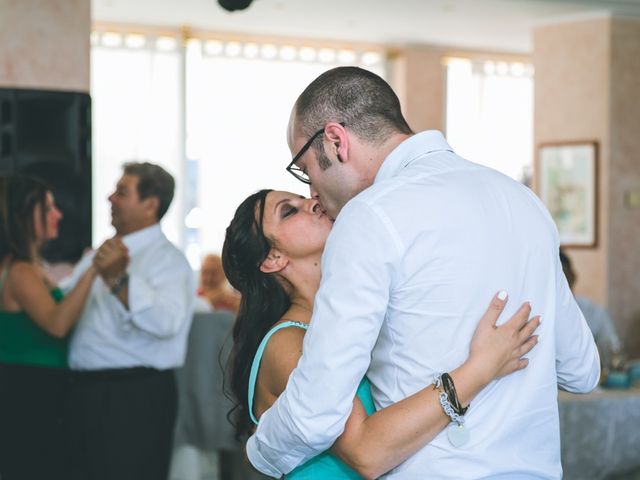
(19, 196)
(264, 300)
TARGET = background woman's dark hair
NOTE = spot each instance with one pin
(19, 196)
(263, 301)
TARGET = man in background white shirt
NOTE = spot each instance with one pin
(422, 239)
(130, 337)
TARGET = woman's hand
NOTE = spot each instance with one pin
(111, 259)
(497, 351)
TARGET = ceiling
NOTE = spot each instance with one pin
(503, 25)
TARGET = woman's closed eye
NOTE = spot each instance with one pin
(288, 210)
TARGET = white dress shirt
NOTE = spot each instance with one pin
(601, 326)
(408, 270)
(153, 331)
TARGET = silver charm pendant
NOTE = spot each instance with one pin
(458, 435)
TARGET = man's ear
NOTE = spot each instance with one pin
(336, 134)
(152, 205)
(275, 262)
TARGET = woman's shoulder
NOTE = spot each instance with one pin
(281, 355)
(21, 270)
(28, 278)
(285, 336)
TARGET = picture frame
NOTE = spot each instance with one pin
(567, 178)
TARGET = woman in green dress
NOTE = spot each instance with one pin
(35, 320)
(271, 254)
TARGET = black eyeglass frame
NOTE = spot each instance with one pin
(293, 169)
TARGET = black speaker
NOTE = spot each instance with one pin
(47, 135)
(233, 5)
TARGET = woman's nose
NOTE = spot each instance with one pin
(313, 205)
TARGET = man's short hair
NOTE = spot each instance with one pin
(153, 181)
(366, 104)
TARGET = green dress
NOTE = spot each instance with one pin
(33, 386)
(324, 466)
(22, 342)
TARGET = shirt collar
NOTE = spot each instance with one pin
(139, 239)
(414, 147)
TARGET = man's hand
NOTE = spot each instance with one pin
(111, 259)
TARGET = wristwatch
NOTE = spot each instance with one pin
(119, 283)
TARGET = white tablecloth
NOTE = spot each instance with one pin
(600, 434)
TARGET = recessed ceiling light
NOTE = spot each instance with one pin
(111, 39)
(233, 49)
(288, 53)
(166, 44)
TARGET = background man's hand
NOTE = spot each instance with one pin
(111, 259)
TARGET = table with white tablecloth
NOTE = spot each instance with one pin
(600, 434)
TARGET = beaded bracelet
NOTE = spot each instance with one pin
(452, 412)
(458, 434)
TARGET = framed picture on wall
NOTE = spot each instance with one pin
(567, 180)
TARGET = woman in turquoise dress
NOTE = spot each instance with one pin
(34, 323)
(271, 255)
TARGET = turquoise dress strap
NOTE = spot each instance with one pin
(255, 366)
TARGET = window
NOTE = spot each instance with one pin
(489, 114)
(136, 96)
(236, 98)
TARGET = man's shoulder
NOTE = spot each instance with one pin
(164, 252)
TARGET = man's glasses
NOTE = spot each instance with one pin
(293, 169)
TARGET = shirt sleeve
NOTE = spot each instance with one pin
(160, 297)
(577, 359)
(358, 270)
(69, 282)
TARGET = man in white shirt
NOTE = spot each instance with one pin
(422, 240)
(130, 337)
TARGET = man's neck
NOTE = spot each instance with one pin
(378, 153)
(128, 231)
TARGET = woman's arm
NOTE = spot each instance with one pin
(375, 444)
(32, 295)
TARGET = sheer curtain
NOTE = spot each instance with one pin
(490, 114)
(137, 115)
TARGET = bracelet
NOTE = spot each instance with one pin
(445, 402)
(450, 388)
(448, 409)
(458, 434)
(119, 283)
